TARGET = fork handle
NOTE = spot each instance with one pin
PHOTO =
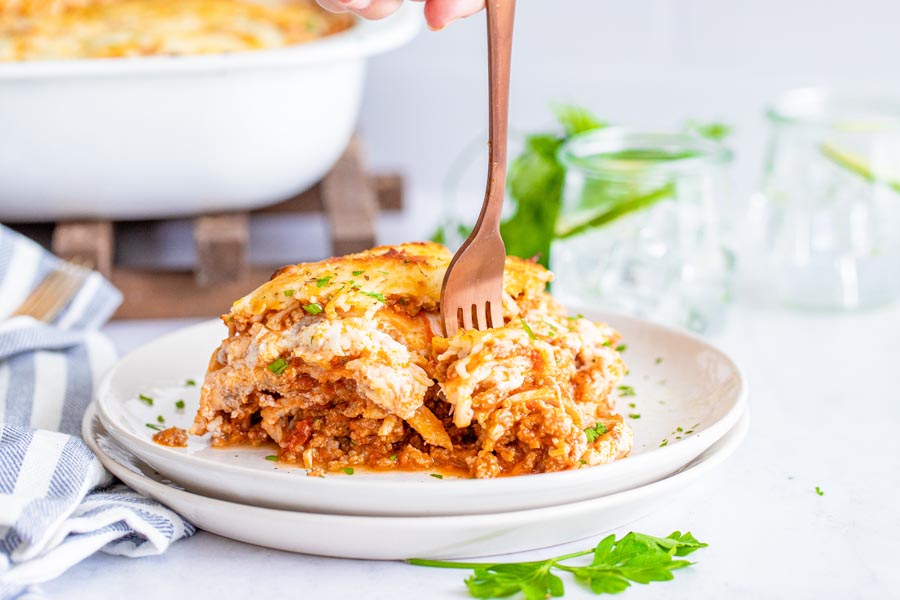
(500, 20)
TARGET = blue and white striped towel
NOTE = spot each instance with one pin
(58, 505)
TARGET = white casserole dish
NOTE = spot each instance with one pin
(137, 138)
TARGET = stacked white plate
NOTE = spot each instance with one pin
(685, 399)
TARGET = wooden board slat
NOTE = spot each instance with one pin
(221, 243)
(88, 242)
(349, 202)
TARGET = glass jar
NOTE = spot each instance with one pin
(643, 227)
(826, 222)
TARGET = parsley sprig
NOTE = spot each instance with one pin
(636, 557)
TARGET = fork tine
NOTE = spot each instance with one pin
(39, 295)
(466, 317)
(61, 296)
(495, 314)
(53, 293)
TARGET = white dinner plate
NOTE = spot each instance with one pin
(390, 538)
(687, 395)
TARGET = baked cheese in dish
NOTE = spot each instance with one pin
(342, 363)
(55, 30)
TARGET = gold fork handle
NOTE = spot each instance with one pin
(500, 20)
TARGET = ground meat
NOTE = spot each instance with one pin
(174, 437)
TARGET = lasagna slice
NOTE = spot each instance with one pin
(342, 363)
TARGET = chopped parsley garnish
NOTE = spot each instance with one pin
(658, 359)
(689, 432)
(528, 330)
(160, 419)
(679, 429)
(626, 390)
(664, 443)
(607, 343)
(621, 348)
(278, 366)
(347, 470)
(634, 416)
(377, 296)
(437, 475)
(357, 273)
(288, 293)
(147, 399)
(820, 491)
(636, 557)
(632, 405)
(180, 405)
(582, 462)
(392, 457)
(190, 383)
(384, 272)
(313, 309)
(594, 432)
(154, 427)
(272, 457)
(323, 281)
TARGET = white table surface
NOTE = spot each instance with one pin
(825, 412)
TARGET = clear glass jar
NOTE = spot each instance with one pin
(643, 227)
(826, 222)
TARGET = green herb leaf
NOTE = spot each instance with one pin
(664, 443)
(717, 132)
(358, 273)
(535, 186)
(146, 399)
(347, 470)
(288, 293)
(160, 419)
(437, 475)
(626, 390)
(594, 432)
(278, 366)
(575, 119)
(636, 557)
(392, 457)
(190, 383)
(658, 359)
(272, 457)
(313, 308)
(528, 329)
(322, 282)
(621, 348)
(634, 416)
(820, 491)
(379, 297)
(153, 427)
(179, 405)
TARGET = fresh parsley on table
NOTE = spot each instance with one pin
(616, 564)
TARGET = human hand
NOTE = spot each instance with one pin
(438, 13)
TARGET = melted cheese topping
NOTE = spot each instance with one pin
(53, 30)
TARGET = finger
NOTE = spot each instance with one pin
(332, 5)
(368, 9)
(378, 9)
(440, 13)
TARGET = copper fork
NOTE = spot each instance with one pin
(53, 292)
(471, 296)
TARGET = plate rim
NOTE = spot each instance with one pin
(460, 486)
(708, 459)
